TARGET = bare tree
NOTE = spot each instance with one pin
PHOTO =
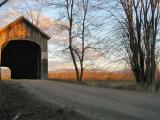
(85, 4)
(3, 2)
(79, 25)
(69, 6)
(33, 11)
(139, 36)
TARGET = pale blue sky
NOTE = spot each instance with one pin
(56, 60)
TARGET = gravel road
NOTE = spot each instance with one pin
(97, 103)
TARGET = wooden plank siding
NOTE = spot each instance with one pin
(23, 29)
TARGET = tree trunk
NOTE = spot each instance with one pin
(82, 71)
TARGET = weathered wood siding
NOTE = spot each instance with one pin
(25, 31)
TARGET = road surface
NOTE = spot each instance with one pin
(97, 103)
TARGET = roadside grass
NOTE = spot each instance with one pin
(18, 104)
(115, 84)
(117, 80)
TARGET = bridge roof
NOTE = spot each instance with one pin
(25, 20)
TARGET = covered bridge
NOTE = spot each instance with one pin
(24, 50)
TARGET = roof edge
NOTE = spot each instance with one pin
(29, 22)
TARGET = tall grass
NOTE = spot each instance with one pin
(92, 75)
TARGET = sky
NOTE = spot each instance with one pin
(48, 23)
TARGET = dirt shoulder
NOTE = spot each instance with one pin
(129, 85)
(18, 104)
(115, 84)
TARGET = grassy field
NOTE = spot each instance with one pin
(116, 80)
(92, 75)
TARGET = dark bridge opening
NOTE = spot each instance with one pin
(23, 58)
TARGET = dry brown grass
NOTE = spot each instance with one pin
(92, 75)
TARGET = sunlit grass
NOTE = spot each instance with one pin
(92, 75)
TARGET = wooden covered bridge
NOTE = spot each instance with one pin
(24, 50)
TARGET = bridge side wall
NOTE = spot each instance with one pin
(24, 31)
